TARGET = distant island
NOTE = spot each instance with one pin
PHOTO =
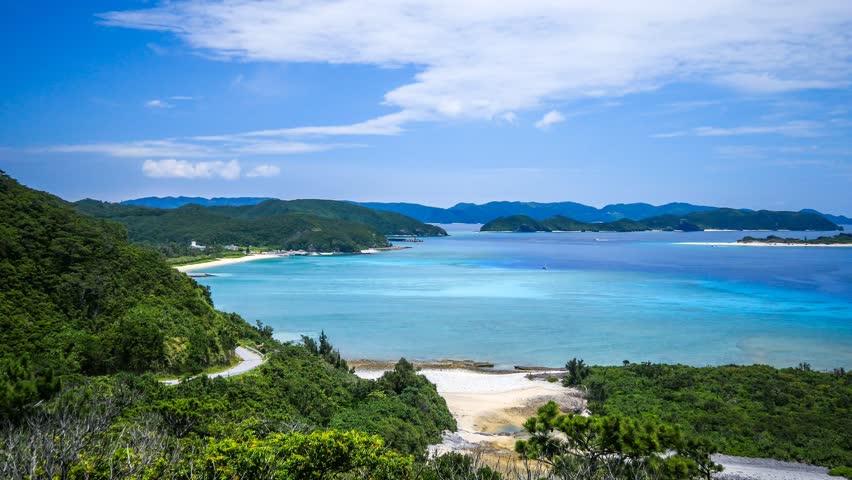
(719, 219)
(839, 239)
(473, 213)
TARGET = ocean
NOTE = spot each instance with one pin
(544, 298)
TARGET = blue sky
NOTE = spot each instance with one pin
(735, 103)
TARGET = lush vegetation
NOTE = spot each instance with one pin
(387, 223)
(732, 219)
(289, 231)
(839, 239)
(87, 318)
(610, 447)
(521, 223)
(77, 298)
(845, 472)
(311, 225)
(754, 411)
(722, 219)
(302, 415)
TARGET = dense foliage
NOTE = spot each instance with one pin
(76, 297)
(754, 411)
(607, 447)
(521, 223)
(732, 219)
(387, 223)
(289, 231)
(312, 389)
(839, 239)
(302, 415)
(721, 218)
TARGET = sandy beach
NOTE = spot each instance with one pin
(222, 261)
(490, 408)
(760, 244)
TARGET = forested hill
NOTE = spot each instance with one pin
(314, 225)
(387, 223)
(290, 231)
(76, 297)
(721, 219)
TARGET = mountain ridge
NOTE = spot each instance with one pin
(465, 212)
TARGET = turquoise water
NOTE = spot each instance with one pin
(603, 297)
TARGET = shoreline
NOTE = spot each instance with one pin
(294, 253)
(763, 244)
(490, 406)
(222, 261)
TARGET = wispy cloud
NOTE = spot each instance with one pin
(136, 149)
(171, 168)
(200, 147)
(264, 170)
(766, 83)
(182, 97)
(685, 106)
(801, 128)
(157, 103)
(490, 58)
(384, 125)
(550, 118)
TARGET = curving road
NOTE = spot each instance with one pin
(251, 359)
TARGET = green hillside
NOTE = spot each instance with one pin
(313, 225)
(387, 223)
(210, 226)
(76, 297)
(85, 317)
(733, 219)
(721, 219)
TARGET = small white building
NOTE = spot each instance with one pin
(196, 246)
(232, 248)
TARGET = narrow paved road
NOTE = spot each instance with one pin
(250, 360)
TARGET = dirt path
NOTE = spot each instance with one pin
(251, 359)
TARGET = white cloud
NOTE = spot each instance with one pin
(136, 149)
(264, 171)
(801, 128)
(509, 117)
(385, 125)
(550, 118)
(486, 58)
(765, 83)
(196, 147)
(171, 168)
(157, 103)
(181, 97)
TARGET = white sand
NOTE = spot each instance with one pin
(222, 261)
(490, 407)
(757, 244)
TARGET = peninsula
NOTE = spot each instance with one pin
(841, 239)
